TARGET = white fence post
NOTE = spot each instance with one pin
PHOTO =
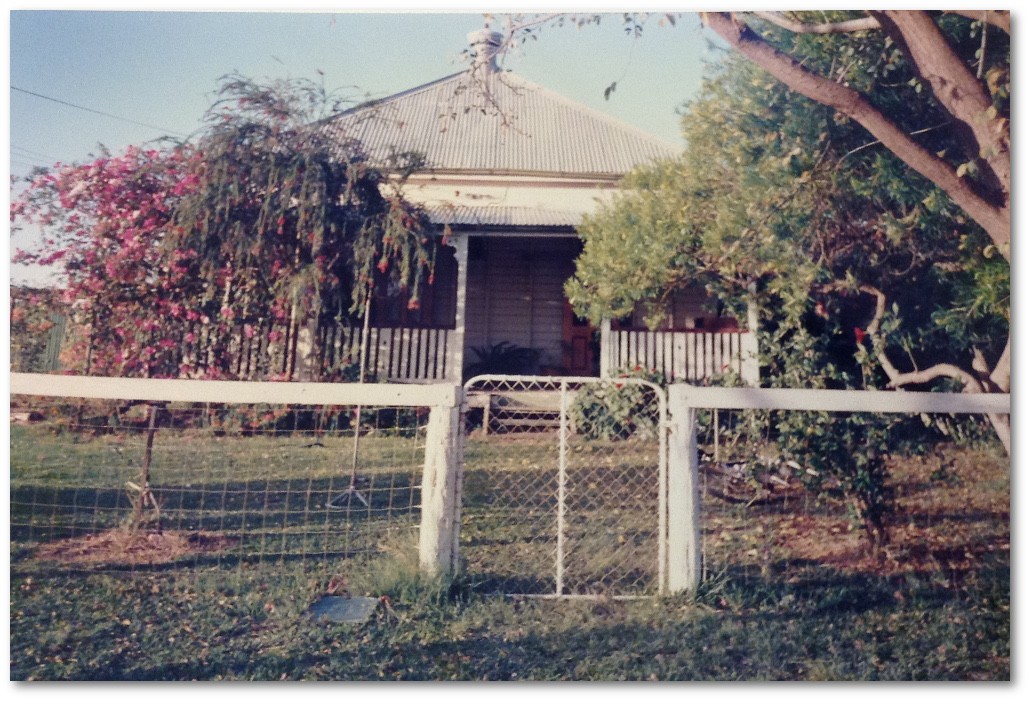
(454, 352)
(441, 483)
(684, 536)
(684, 550)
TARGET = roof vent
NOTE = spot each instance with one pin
(484, 46)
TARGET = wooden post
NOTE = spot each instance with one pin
(456, 343)
(441, 480)
(750, 372)
(607, 351)
(684, 569)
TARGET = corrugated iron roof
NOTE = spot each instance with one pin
(498, 216)
(497, 123)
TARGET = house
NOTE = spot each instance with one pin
(511, 168)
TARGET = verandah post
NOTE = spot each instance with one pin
(456, 343)
(606, 348)
(684, 501)
(441, 489)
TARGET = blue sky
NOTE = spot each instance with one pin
(161, 68)
(152, 73)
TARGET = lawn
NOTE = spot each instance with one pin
(790, 592)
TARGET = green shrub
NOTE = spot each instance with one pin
(503, 359)
(618, 410)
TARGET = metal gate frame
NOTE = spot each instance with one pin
(663, 427)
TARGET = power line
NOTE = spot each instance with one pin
(27, 152)
(105, 114)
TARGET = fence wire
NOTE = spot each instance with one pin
(770, 515)
(563, 502)
(228, 486)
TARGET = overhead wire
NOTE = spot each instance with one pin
(104, 114)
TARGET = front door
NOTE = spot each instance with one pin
(578, 352)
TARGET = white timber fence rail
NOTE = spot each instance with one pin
(684, 500)
(442, 464)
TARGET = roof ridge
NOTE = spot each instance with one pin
(579, 106)
(374, 102)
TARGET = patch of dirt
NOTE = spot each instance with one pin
(122, 547)
(951, 510)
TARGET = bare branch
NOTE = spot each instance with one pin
(515, 25)
(995, 18)
(915, 377)
(998, 382)
(1001, 377)
(862, 24)
(918, 377)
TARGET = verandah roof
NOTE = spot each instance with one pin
(490, 216)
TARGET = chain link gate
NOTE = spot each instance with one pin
(564, 486)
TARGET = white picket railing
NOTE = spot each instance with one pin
(396, 354)
(681, 356)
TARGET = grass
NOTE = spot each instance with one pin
(789, 593)
(211, 626)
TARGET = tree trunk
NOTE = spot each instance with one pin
(959, 91)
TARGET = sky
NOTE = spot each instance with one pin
(118, 76)
(161, 68)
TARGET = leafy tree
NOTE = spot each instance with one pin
(933, 90)
(174, 256)
(969, 83)
(820, 237)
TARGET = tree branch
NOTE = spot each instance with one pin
(1001, 377)
(994, 219)
(995, 18)
(862, 24)
(915, 377)
(956, 88)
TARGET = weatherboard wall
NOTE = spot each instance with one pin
(515, 293)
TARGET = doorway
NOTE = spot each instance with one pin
(579, 345)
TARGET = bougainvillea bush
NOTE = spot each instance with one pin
(182, 257)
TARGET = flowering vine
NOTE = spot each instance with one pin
(180, 260)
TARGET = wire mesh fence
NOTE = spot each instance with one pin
(565, 490)
(932, 503)
(563, 486)
(114, 486)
